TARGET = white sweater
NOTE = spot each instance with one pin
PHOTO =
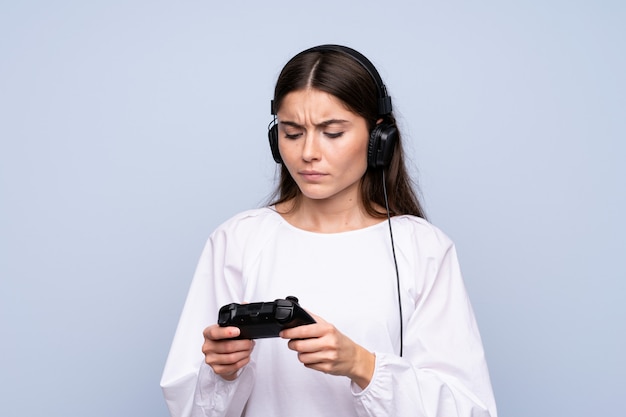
(349, 280)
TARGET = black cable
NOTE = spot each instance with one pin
(395, 261)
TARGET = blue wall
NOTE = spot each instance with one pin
(129, 130)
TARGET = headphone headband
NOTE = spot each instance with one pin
(384, 101)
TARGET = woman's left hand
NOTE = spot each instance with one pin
(322, 347)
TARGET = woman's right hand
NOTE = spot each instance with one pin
(224, 355)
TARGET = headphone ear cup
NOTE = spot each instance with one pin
(272, 135)
(382, 142)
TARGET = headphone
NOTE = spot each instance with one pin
(383, 136)
(382, 142)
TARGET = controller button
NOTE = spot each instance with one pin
(283, 313)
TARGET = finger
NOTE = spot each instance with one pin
(226, 359)
(302, 332)
(309, 345)
(215, 332)
(229, 371)
(318, 361)
(226, 364)
(227, 346)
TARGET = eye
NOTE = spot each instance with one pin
(333, 135)
(292, 135)
(292, 132)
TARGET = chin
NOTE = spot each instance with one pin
(315, 196)
(319, 196)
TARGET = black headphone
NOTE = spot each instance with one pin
(383, 136)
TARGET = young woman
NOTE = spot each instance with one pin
(395, 334)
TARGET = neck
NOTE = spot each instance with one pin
(327, 215)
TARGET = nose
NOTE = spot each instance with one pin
(310, 148)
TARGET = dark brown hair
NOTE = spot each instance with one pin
(342, 76)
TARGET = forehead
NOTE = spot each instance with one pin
(311, 102)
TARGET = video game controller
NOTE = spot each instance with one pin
(261, 320)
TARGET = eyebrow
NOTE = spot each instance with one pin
(325, 123)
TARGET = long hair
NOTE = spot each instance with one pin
(340, 75)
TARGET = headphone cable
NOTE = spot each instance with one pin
(395, 261)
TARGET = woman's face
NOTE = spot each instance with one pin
(322, 144)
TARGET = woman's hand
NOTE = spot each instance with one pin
(225, 356)
(322, 347)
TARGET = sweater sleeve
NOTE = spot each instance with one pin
(216, 397)
(189, 385)
(443, 371)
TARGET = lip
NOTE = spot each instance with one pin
(311, 175)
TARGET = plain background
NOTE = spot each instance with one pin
(130, 129)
